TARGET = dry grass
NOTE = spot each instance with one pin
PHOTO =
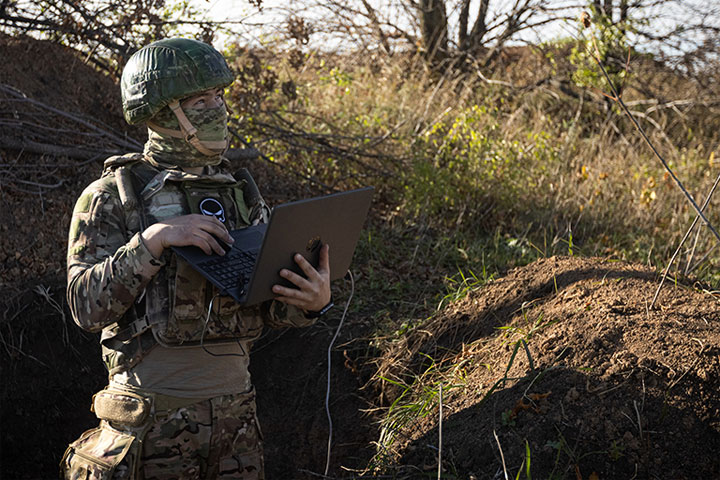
(523, 150)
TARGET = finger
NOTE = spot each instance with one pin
(287, 292)
(208, 243)
(215, 227)
(196, 219)
(215, 245)
(324, 266)
(295, 279)
(202, 243)
(204, 222)
(306, 267)
(218, 241)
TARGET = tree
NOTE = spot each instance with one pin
(441, 29)
(108, 31)
(479, 31)
(444, 31)
(607, 8)
(453, 31)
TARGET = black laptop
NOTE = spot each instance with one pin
(251, 267)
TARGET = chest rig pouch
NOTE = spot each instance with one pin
(181, 307)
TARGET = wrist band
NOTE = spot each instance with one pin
(321, 312)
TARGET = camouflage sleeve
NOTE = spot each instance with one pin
(279, 315)
(105, 271)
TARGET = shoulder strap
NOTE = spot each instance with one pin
(130, 183)
(131, 180)
(127, 192)
(250, 188)
(120, 165)
(117, 161)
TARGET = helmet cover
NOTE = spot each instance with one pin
(167, 70)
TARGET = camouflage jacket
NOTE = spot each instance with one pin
(114, 281)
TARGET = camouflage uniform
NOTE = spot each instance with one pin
(140, 303)
(182, 444)
(108, 270)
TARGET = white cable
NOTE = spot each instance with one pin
(202, 335)
(327, 393)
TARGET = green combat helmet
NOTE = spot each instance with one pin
(163, 73)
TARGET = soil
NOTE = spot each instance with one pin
(602, 388)
(607, 388)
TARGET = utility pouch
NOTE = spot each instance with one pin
(97, 455)
(121, 408)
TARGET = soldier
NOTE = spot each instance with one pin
(179, 403)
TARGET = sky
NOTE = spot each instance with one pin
(259, 26)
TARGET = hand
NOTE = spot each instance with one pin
(195, 229)
(313, 291)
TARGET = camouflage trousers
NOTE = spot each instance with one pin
(217, 438)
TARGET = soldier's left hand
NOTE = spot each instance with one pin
(313, 291)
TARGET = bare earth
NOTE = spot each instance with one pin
(614, 390)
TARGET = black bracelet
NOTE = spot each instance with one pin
(321, 312)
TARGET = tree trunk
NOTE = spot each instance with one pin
(480, 27)
(433, 24)
(463, 21)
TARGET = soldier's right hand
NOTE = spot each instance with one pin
(195, 229)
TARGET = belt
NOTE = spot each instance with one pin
(160, 402)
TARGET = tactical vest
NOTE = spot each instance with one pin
(174, 310)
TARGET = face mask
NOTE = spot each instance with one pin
(167, 146)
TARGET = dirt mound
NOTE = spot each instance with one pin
(565, 363)
(49, 99)
(59, 76)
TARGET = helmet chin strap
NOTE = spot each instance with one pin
(189, 133)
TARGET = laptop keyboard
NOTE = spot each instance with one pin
(232, 269)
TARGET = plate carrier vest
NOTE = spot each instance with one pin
(173, 310)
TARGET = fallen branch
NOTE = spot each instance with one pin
(687, 234)
(618, 99)
(55, 150)
(235, 134)
(55, 185)
(127, 143)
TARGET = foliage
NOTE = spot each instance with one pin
(474, 178)
(605, 41)
(466, 161)
(443, 32)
